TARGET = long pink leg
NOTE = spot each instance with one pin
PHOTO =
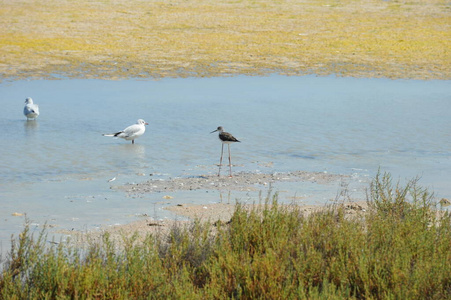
(220, 161)
(230, 162)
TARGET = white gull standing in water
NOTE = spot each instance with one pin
(31, 110)
(131, 132)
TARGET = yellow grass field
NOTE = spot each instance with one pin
(116, 39)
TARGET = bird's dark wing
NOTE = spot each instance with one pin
(227, 137)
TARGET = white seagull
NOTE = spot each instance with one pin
(131, 132)
(31, 110)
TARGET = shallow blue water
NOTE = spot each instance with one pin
(57, 168)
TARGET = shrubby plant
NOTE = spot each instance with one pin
(400, 248)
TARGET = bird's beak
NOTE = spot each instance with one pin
(146, 123)
(214, 131)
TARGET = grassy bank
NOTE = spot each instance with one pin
(122, 39)
(398, 249)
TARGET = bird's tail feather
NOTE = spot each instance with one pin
(112, 134)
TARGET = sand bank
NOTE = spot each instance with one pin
(207, 212)
(213, 213)
(242, 181)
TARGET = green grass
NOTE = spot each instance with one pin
(399, 249)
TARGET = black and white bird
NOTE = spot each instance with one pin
(226, 138)
(31, 110)
(131, 132)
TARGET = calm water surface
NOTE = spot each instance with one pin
(56, 169)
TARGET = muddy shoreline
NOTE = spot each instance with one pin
(211, 213)
(185, 213)
(242, 181)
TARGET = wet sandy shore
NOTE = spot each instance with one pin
(213, 213)
(243, 181)
(208, 212)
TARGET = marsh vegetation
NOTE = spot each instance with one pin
(133, 39)
(399, 248)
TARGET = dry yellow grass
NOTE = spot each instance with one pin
(147, 38)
